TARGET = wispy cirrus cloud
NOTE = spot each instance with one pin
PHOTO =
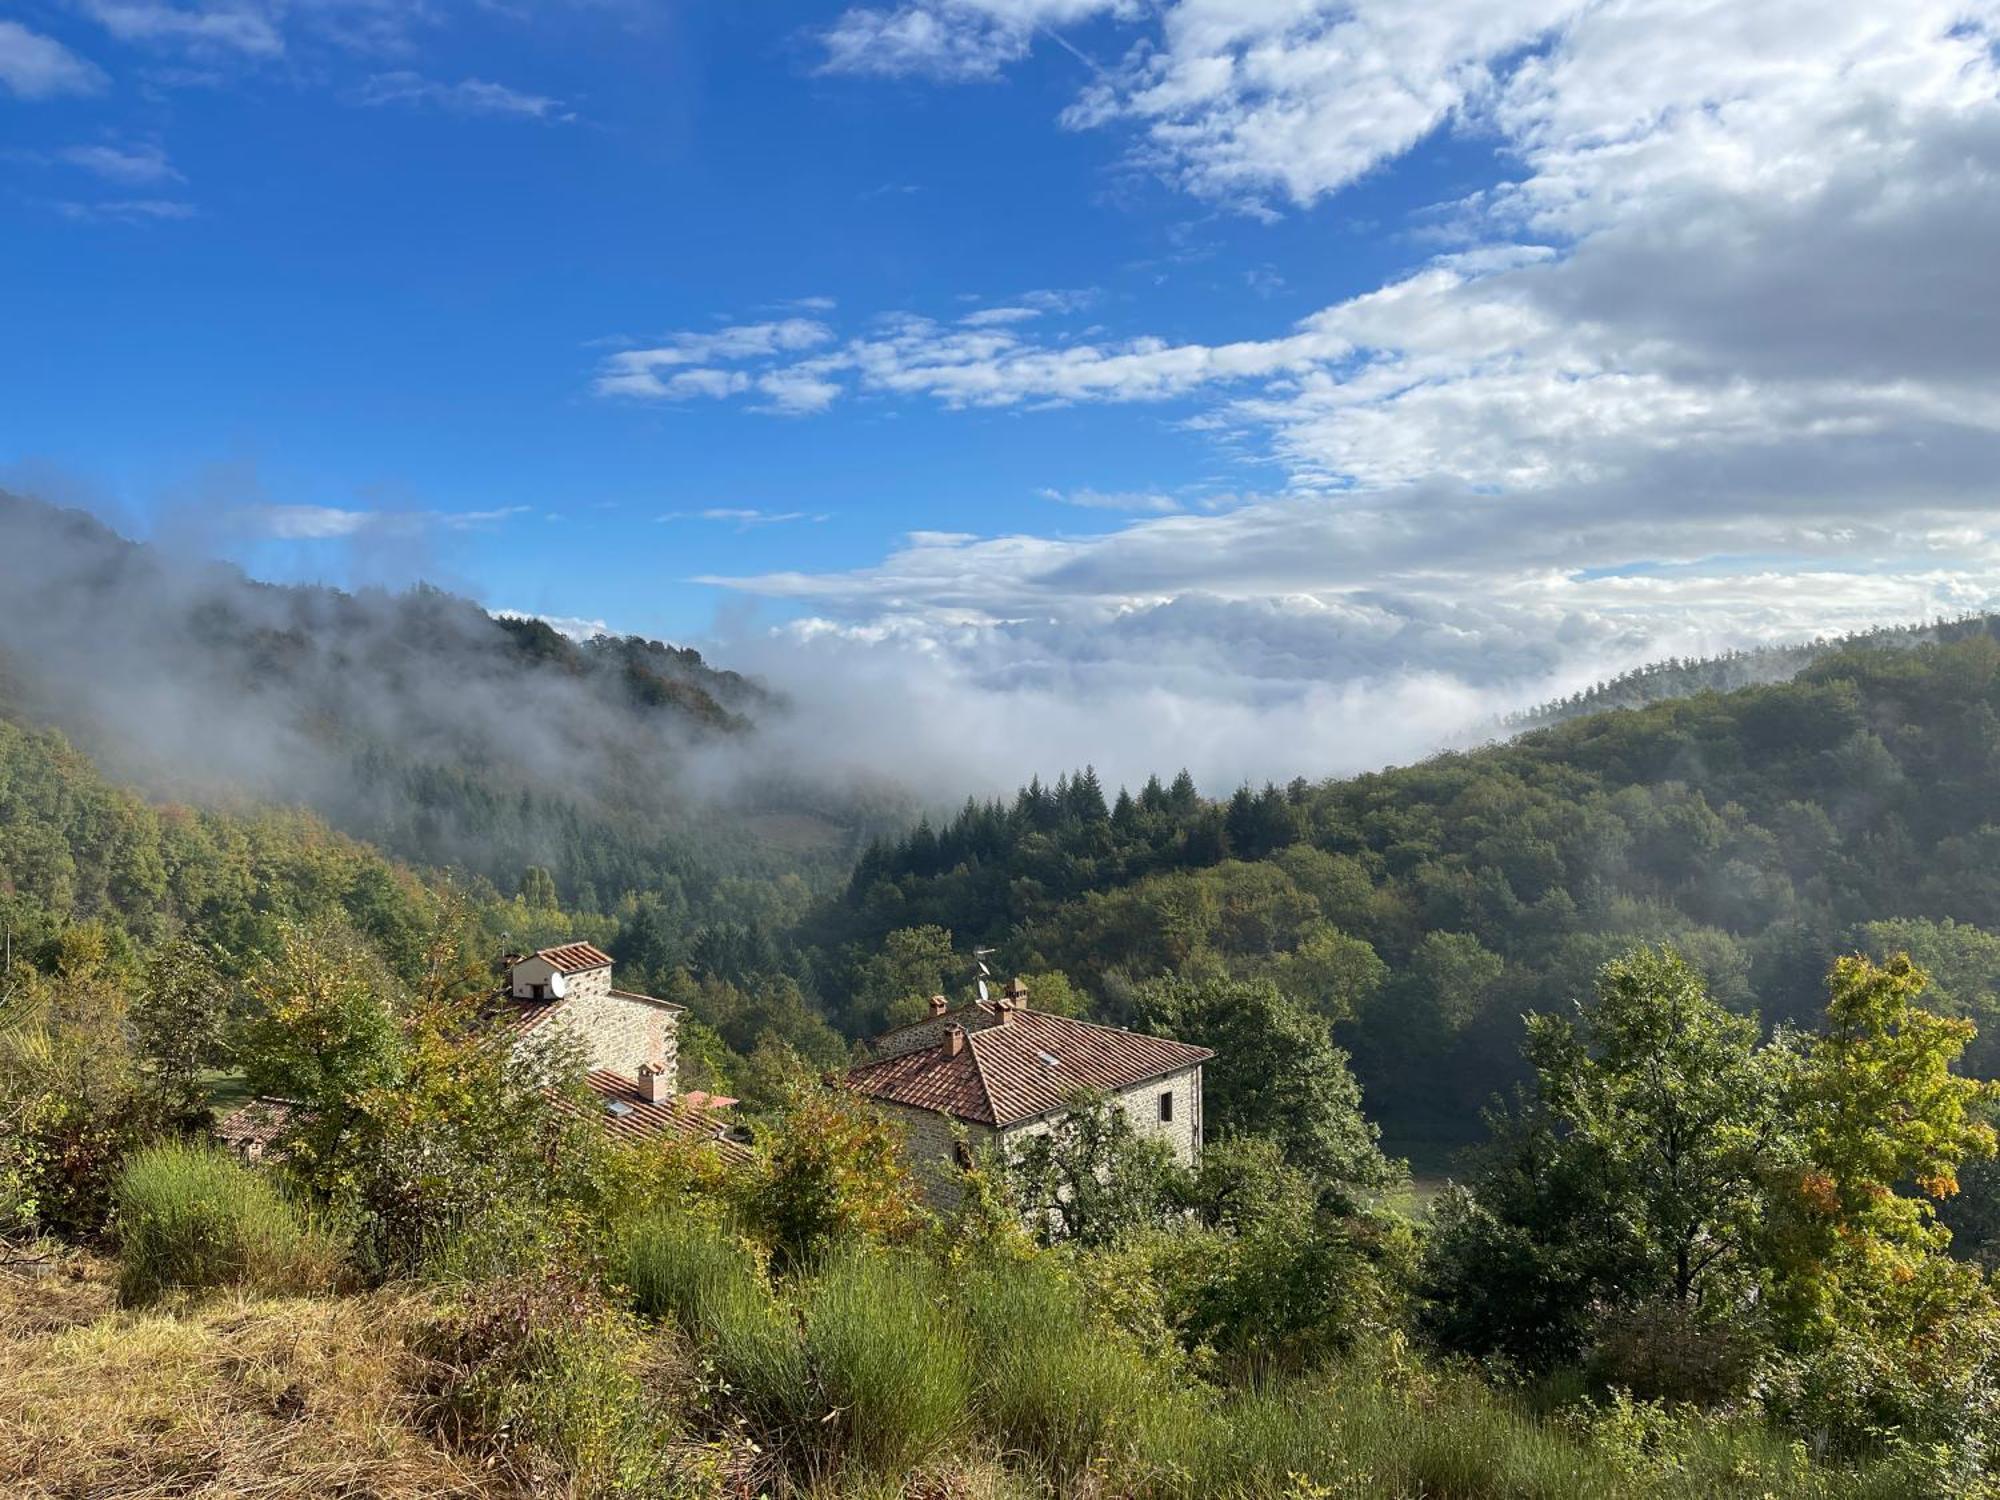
(126, 210)
(1149, 502)
(744, 518)
(244, 30)
(136, 164)
(316, 523)
(951, 39)
(34, 66)
(468, 96)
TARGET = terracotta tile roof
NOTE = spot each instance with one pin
(528, 1014)
(1003, 1074)
(574, 958)
(641, 1120)
(253, 1127)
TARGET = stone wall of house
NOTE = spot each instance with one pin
(1141, 1104)
(928, 1032)
(617, 1030)
(931, 1139)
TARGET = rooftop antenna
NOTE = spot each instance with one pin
(979, 957)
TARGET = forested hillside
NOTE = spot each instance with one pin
(1768, 1279)
(416, 721)
(1425, 909)
(1683, 677)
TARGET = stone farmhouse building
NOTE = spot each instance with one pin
(629, 1044)
(993, 1072)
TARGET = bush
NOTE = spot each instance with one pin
(191, 1217)
(540, 1374)
(891, 1365)
(707, 1281)
(1052, 1383)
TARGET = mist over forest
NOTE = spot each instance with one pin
(414, 718)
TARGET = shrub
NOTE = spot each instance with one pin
(834, 1170)
(543, 1376)
(707, 1281)
(892, 1366)
(1052, 1383)
(192, 1217)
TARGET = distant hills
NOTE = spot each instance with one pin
(416, 720)
(1682, 677)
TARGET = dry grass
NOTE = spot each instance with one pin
(233, 1397)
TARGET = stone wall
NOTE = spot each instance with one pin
(931, 1138)
(1141, 1105)
(928, 1032)
(618, 1030)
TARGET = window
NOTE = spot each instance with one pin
(961, 1153)
(1167, 1107)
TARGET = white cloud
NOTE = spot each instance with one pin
(950, 39)
(33, 66)
(138, 164)
(638, 372)
(127, 210)
(469, 96)
(576, 627)
(1146, 501)
(999, 317)
(246, 30)
(314, 523)
(1718, 364)
(743, 518)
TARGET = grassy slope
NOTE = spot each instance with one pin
(241, 1396)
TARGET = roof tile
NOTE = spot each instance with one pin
(574, 958)
(1002, 1075)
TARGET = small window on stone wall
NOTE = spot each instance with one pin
(961, 1153)
(1167, 1107)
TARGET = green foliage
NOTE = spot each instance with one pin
(708, 1281)
(178, 1023)
(192, 1218)
(1090, 1178)
(1696, 1204)
(1276, 1073)
(913, 963)
(1874, 1104)
(832, 1170)
(1052, 1382)
(1755, 831)
(1665, 1099)
(892, 1367)
(75, 1100)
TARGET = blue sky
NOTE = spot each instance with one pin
(1253, 374)
(402, 304)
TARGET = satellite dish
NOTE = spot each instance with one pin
(982, 990)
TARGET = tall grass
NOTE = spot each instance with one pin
(191, 1217)
(1457, 1440)
(1051, 1386)
(892, 1365)
(698, 1275)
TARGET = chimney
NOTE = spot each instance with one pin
(939, 1005)
(954, 1040)
(655, 1087)
(1017, 993)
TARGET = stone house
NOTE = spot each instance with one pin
(629, 1045)
(568, 990)
(994, 1072)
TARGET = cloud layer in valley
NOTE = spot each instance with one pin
(1716, 360)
